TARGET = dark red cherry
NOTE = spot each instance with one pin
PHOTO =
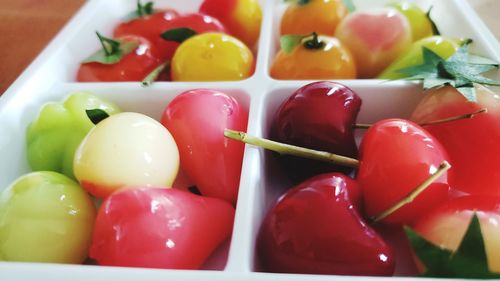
(315, 228)
(319, 116)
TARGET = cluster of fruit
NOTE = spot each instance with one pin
(323, 225)
(328, 39)
(214, 44)
(125, 165)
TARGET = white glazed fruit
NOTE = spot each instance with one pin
(125, 151)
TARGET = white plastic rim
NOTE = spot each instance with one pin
(51, 77)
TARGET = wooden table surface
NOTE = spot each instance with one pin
(26, 26)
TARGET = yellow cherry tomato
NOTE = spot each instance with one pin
(241, 17)
(321, 16)
(212, 57)
(328, 60)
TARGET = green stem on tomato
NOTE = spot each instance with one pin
(288, 149)
(109, 45)
(153, 75)
(314, 42)
(443, 167)
(144, 10)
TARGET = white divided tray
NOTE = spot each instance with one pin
(51, 78)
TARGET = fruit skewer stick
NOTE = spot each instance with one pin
(436, 122)
(283, 148)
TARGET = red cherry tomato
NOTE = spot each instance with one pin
(159, 228)
(134, 66)
(149, 27)
(197, 119)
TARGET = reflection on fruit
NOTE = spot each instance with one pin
(376, 38)
(319, 116)
(54, 135)
(397, 156)
(471, 143)
(197, 120)
(323, 58)
(306, 17)
(159, 228)
(45, 217)
(198, 22)
(133, 65)
(442, 46)
(212, 57)
(315, 228)
(445, 226)
(150, 26)
(241, 17)
(420, 24)
(123, 151)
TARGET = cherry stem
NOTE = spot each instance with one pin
(445, 166)
(455, 118)
(435, 122)
(288, 149)
(153, 75)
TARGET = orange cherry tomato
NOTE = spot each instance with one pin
(328, 60)
(321, 16)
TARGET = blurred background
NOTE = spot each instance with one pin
(26, 26)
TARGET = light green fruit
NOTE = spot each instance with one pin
(420, 24)
(45, 217)
(442, 46)
(54, 135)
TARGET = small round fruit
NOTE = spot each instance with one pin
(472, 143)
(207, 113)
(375, 38)
(241, 17)
(332, 60)
(420, 23)
(305, 17)
(134, 66)
(445, 226)
(45, 217)
(126, 150)
(396, 156)
(212, 57)
(150, 27)
(159, 228)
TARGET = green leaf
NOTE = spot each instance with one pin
(461, 71)
(112, 50)
(96, 115)
(349, 5)
(141, 11)
(289, 42)
(468, 93)
(178, 35)
(432, 256)
(468, 261)
(194, 189)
